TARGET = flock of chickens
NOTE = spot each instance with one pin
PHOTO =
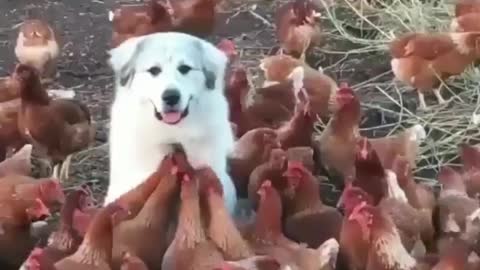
(177, 219)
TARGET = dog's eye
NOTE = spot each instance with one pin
(184, 69)
(154, 71)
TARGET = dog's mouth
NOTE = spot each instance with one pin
(171, 116)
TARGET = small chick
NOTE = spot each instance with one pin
(38, 46)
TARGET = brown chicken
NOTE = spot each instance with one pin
(267, 237)
(299, 130)
(10, 138)
(297, 27)
(220, 226)
(65, 240)
(95, 252)
(272, 170)
(132, 262)
(404, 144)
(194, 17)
(419, 196)
(453, 204)
(236, 91)
(138, 20)
(61, 127)
(420, 59)
(470, 156)
(267, 229)
(320, 88)
(336, 144)
(353, 243)
(19, 163)
(48, 190)
(190, 249)
(385, 249)
(305, 212)
(252, 149)
(271, 106)
(237, 85)
(16, 240)
(145, 234)
(37, 46)
(369, 172)
(406, 218)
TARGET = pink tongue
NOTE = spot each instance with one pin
(171, 117)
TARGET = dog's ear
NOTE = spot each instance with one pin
(121, 59)
(214, 65)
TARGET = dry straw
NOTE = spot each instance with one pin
(447, 125)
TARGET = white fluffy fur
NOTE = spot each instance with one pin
(138, 140)
(40, 54)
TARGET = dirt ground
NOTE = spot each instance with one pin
(85, 33)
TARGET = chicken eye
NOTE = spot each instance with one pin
(184, 69)
(154, 71)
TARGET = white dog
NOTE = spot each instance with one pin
(169, 90)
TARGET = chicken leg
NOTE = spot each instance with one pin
(421, 100)
(439, 97)
(56, 171)
(65, 168)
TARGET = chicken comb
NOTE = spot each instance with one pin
(294, 168)
(227, 46)
(344, 95)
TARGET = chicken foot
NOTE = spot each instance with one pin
(56, 171)
(65, 168)
(439, 96)
(421, 101)
(421, 98)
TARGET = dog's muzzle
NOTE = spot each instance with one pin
(171, 113)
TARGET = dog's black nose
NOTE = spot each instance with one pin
(171, 97)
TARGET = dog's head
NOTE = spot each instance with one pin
(169, 70)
